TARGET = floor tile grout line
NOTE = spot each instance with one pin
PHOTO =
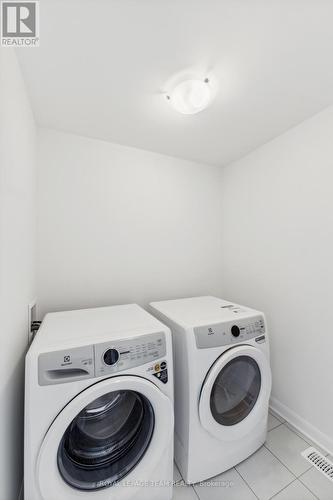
(247, 484)
(190, 485)
(302, 436)
(286, 466)
(195, 492)
(277, 458)
(296, 431)
(272, 412)
(285, 487)
(306, 486)
(295, 476)
(281, 460)
(278, 425)
(299, 478)
(311, 467)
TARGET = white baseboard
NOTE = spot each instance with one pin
(313, 433)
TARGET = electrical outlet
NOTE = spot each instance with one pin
(32, 316)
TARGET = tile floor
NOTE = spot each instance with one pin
(276, 471)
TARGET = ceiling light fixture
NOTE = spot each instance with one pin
(190, 96)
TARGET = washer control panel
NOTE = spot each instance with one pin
(232, 332)
(78, 363)
(113, 357)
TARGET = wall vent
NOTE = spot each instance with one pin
(319, 461)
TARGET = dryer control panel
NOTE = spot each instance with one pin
(228, 333)
(107, 358)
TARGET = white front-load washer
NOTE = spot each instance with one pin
(99, 407)
(222, 383)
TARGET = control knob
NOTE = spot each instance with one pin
(235, 331)
(111, 357)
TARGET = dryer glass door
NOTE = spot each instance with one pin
(235, 393)
(106, 440)
(235, 390)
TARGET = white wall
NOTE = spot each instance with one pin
(277, 206)
(17, 262)
(118, 225)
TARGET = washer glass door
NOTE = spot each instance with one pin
(235, 390)
(106, 440)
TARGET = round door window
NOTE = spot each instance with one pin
(106, 440)
(235, 390)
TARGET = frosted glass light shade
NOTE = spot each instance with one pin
(191, 96)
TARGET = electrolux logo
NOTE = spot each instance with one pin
(20, 23)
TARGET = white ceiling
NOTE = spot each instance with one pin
(102, 66)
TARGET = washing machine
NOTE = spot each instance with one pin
(99, 407)
(222, 383)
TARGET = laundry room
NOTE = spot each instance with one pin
(166, 242)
